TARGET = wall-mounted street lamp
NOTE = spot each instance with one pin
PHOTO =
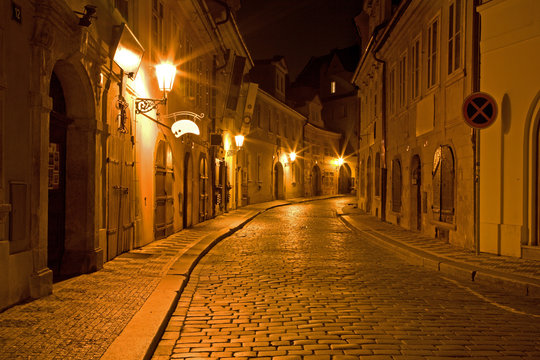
(239, 140)
(292, 156)
(338, 162)
(165, 75)
(87, 16)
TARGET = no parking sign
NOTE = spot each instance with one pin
(479, 110)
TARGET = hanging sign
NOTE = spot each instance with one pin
(183, 125)
(479, 110)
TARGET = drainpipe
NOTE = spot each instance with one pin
(383, 137)
(476, 132)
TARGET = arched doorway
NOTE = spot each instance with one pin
(344, 182)
(278, 181)
(164, 200)
(57, 177)
(369, 185)
(187, 205)
(316, 180)
(203, 189)
(72, 241)
(415, 193)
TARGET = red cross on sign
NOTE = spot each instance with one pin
(479, 110)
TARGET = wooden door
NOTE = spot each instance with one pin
(164, 201)
(120, 214)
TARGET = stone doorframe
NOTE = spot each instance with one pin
(61, 45)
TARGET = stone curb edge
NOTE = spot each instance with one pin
(454, 269)
(140, 337)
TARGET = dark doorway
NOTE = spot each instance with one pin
(57, 178)
(186, 206)
(344, 184)
(369, 185)
(278, 181)
(416, 197)
(316, 181)
(203, 184)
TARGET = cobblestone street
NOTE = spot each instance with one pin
(296, 283)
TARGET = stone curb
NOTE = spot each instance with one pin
(513, 284)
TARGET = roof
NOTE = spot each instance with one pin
(311, 73)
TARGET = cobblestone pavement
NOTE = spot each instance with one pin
(86, 313)
(295, 283)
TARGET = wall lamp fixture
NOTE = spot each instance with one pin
(165, 75)
(292, 156)
(87, 15)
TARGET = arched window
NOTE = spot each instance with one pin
(443, 184)
(396, 185)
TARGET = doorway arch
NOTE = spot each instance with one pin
(278, 181)
(415, 193)
(316, 180)
(72, 243)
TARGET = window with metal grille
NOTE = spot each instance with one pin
(443, 184)
(157, 25)
(396, 185)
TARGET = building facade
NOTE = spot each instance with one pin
(509, 170)
(415, 150)
(90, 165)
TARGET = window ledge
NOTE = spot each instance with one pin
(444, 225)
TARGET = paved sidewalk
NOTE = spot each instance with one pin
(514, 275)
(98, 315)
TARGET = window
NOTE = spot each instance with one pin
(259, 167)
(401, 80)
(157, 25)
(396, 186)
(269, 117)
(332, 87)
(392, 90)
(432, 53)
(123, 8)
(443, 184)
(415, 68)
(454, 36)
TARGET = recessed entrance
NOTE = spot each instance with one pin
(278, 181)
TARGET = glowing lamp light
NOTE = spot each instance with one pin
(284, 159)
(339, 161)
(128, 52)
(165, 75)
(182, 127)
(239, 140)
(292, 156)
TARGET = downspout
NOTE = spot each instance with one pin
(383, 136)
(476, 132)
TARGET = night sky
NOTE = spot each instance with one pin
(297, 29)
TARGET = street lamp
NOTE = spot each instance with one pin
(292, 156)
(165, 75)
(239, 140)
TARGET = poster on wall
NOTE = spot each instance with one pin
(54, 166)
